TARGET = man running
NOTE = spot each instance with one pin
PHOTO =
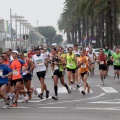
(71, 67)
(77, 53)
(83, 69)
(57, 65)
(16, 66)
(102, 61)
(5, 72)
(108, 53)
(116, 62)
(27, 73)
(92, 57)
(40, 66)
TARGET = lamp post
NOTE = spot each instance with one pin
(17, 18)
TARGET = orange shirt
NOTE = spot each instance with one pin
(7, 62)
(16, 66)
(84, 67)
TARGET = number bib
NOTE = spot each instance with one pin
(101, 62)
(70, 64)
(83, 66)
(1, 73)
(15, 72)
(56, 68)
(39, 62)
(117, 61)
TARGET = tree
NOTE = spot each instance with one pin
(48, 32)
(57, 39)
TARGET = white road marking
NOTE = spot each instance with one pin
(62, 90)
(82, 108)
(18, 107)
(109, 89)
(52, 107)
(81, 88)
(105, 102)
(102, 94)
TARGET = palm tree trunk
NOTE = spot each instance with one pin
(79, 31)
(68, 38)
(114, 24)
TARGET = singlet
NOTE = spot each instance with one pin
(39, 62)
(91, 56)
(103, 59)
(77, 53)
(57, 67)
(84, 67)
(71, 64)
(116, 58)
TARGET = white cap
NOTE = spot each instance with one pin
(15, 51)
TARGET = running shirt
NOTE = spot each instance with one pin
(71, 64)
(77, 53)
(4, 70)
(16, 66)
(84, 67)
(102, 59)
(108, 53)
(116, 58)
(30, 54)
(91, 56)
(39, 62)
(7, 62)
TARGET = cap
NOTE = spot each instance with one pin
(15, 51)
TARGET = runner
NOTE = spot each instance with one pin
(16, 66)
(30, 54)
(40, 65)
(5, 72)
(83, 69)
(102, 61)
(27, 73)
(92, 57)
(77, 53)
(57, 62)
(116, 62)
(71, 67)
(108, 53)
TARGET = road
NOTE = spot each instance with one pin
(102, 103)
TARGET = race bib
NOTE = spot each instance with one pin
(56, 68)
(83, 66)
(39, 62)
(24, 73)
(101, 62)
(15, 72)
(1, 73)
(70, 64)
(117, 61)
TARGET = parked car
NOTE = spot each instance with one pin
(96, 51)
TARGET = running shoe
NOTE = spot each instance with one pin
(6, 106)
(69, 91)
(35, 91)
(78, 85)
(25, 100)
(55, 97)
(40, 96)
(102, 82)
(83, 92)
(13, 105)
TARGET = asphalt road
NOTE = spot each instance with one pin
(103, 103)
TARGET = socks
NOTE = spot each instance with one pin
(56, 90)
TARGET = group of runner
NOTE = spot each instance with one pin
(16, 70)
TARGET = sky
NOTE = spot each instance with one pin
(47, 12)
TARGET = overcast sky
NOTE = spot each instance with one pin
(47, 12)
